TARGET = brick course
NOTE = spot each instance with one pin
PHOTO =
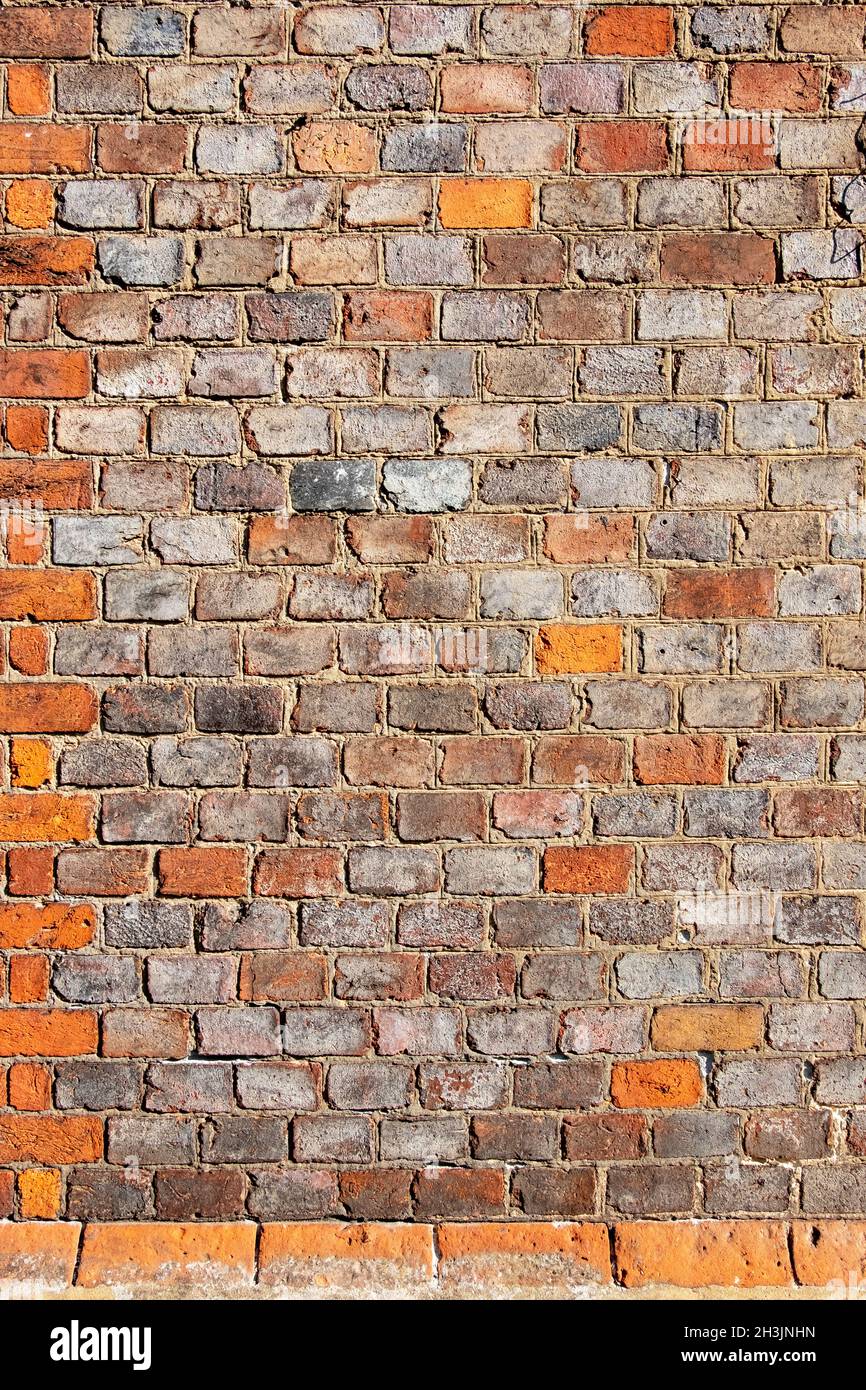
(431, 627)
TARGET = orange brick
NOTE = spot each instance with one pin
(25, 541)
(29, 203)
(508, 1254)
(32, 708)
(588, 868)
(28, 650)
(31, 873)
(57, 484)
(335, 1254)
(44, 373)
(35, 817)
(622, 147)
(29, 1086)
(50, 1250)
(795, 87)
(39, 1193)
(702, 1254)
(485, 203)
(830, 1252)
(48, 1032)
(669, 1084)
(335, 147)
(207, 1256)
(707, 1027)
(31, 762)
(28, 979)
(746, 593)
(630, 31)
(50, 1139)
(43, 260)
(581, 538)
(28, 89)
(299, 873)
(202, 873)
(27, 428)
(686, 759)
(576, 647)
(54, 927)
(728, 146)
(44, 149)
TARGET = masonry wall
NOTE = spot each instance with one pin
(431, 610)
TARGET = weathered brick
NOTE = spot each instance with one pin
(462, 668)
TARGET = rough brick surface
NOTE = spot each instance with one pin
(432, 639)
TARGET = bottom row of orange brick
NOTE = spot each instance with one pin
(219, 1259)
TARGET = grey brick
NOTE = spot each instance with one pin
(147, 261)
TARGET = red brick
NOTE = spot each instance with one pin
(728, 146)
(29, 1086)
(28, 979)
(31, 872)
(26, 428)
(44, 149)
(717, 258)
(39, 1252)
(44, 373)
(794, 87)
(674, 1082)
(387, 316)
(104, 872)
(45, 31)
(45, 260)
(581, 538)
(348, 1256)
(142, 148)
(58, 484)
(622, 147)
(692, 759)
(471, 1194)
(746, 593)
(499, 1255)
(28, 817)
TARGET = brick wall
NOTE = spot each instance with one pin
(433, 697)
